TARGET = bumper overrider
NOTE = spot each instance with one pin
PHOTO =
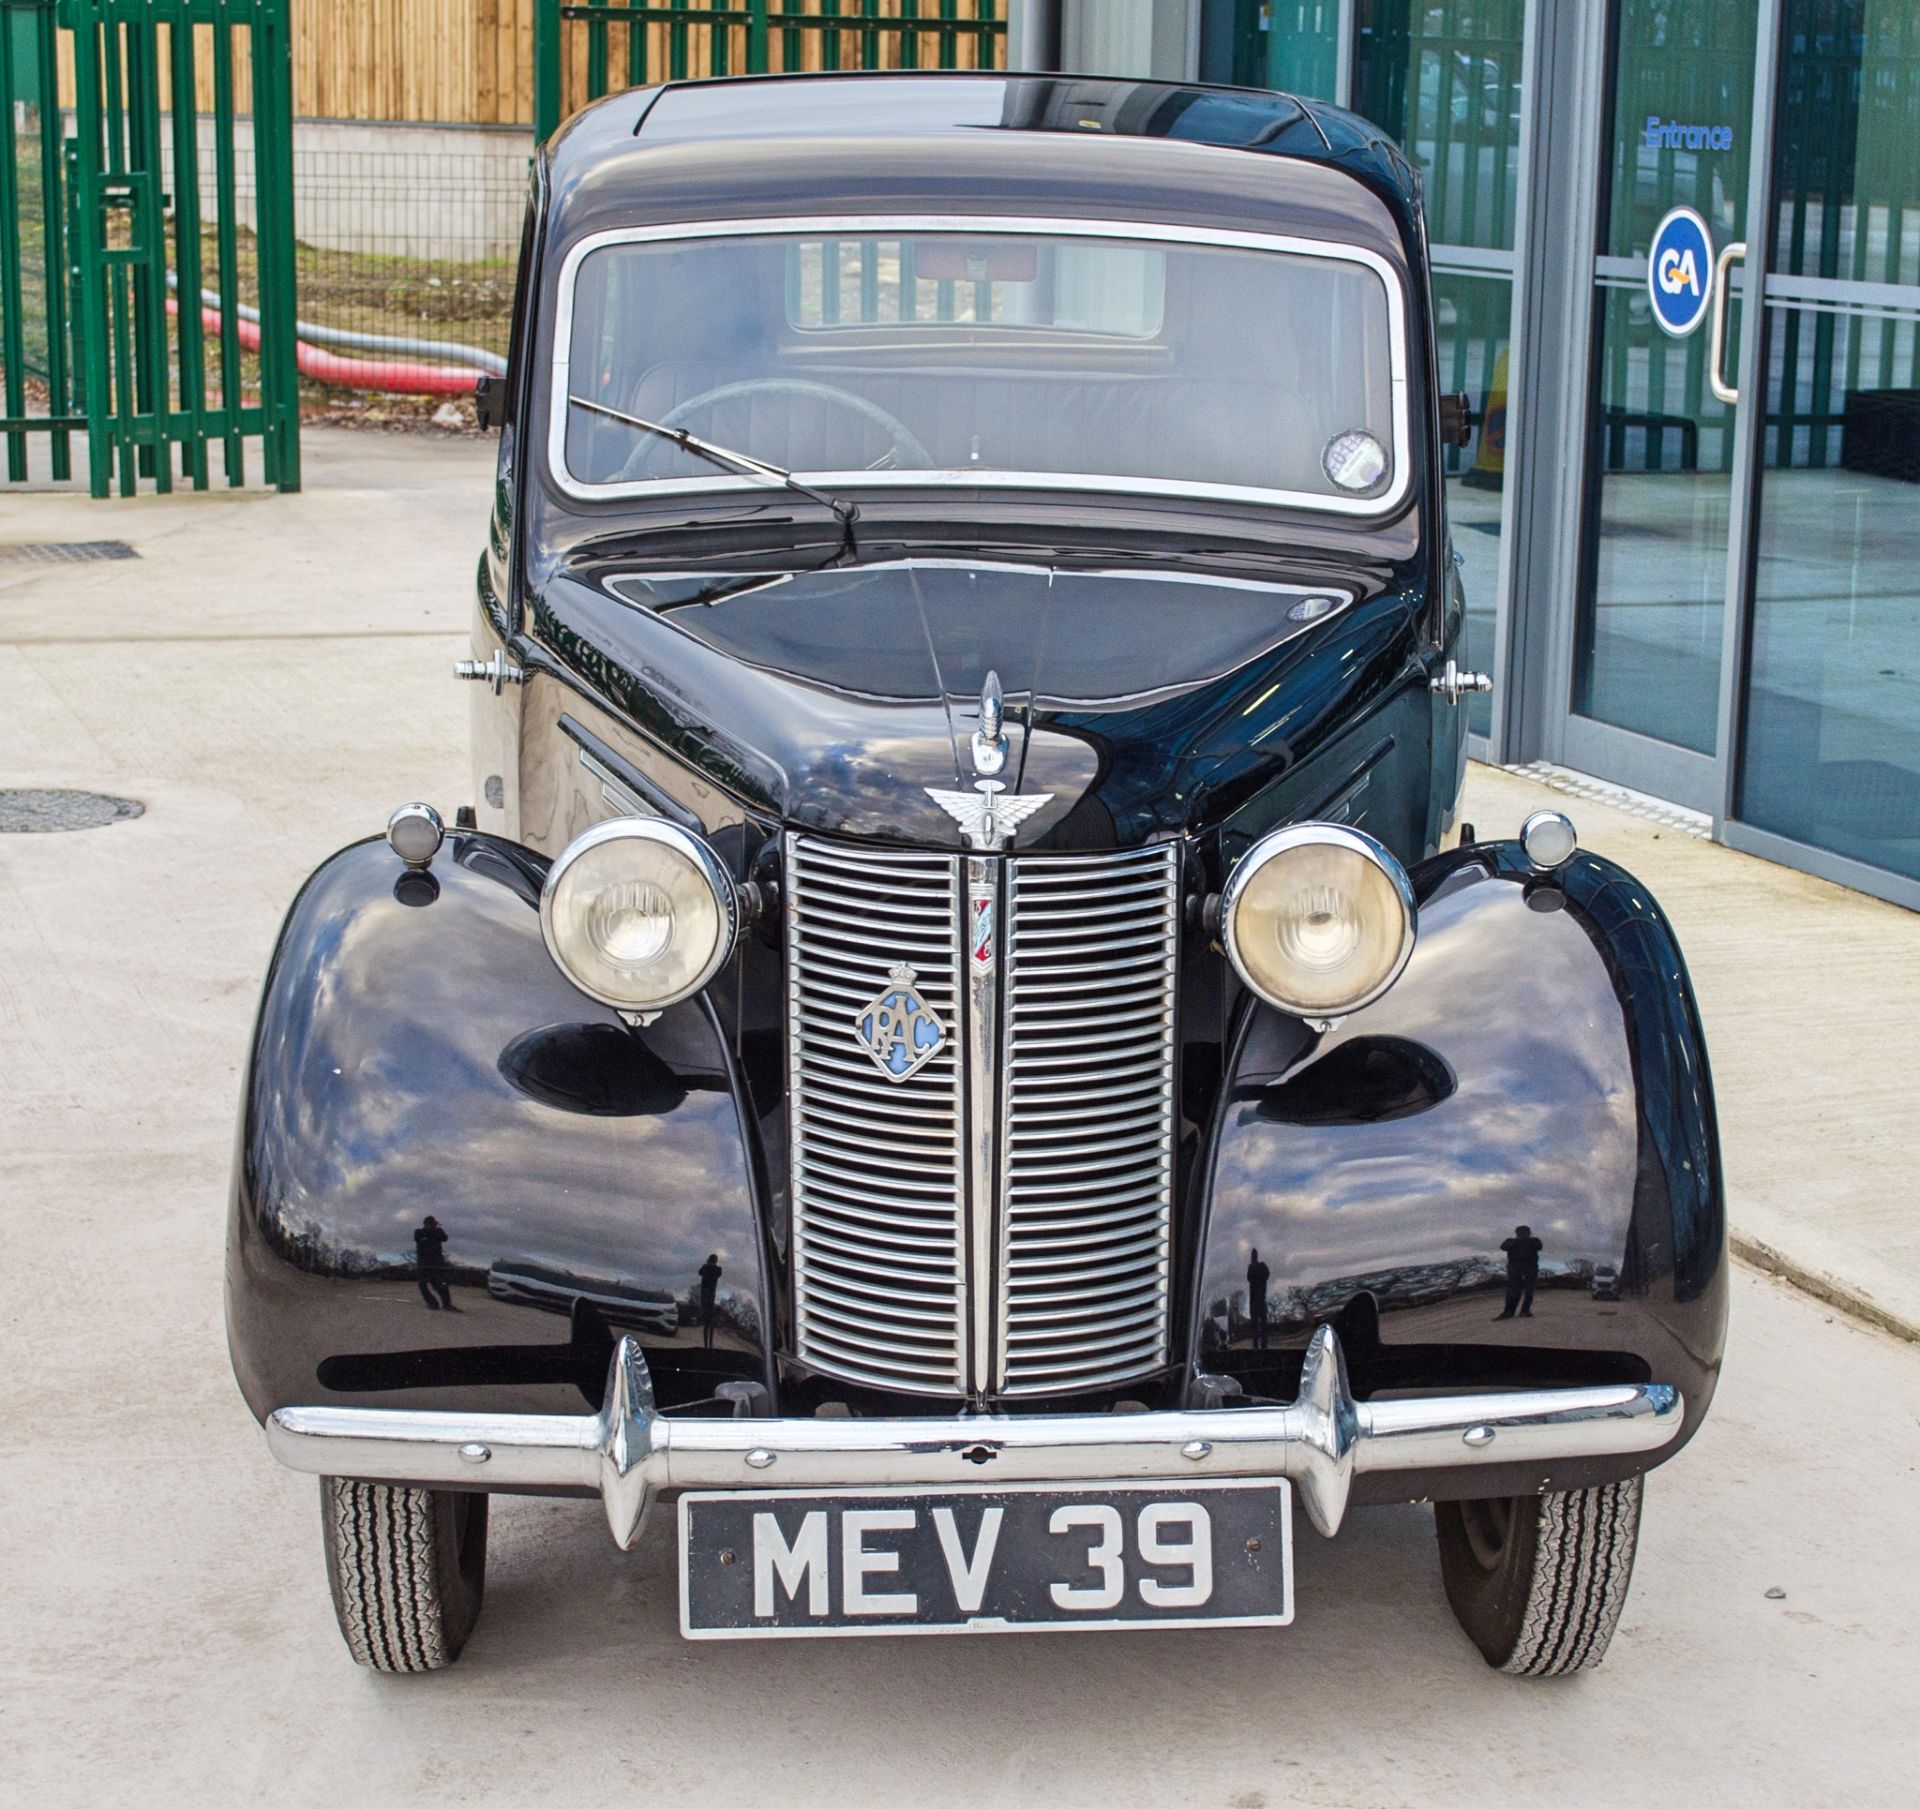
(630, 1452)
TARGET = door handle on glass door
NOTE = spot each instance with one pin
(1717, 333)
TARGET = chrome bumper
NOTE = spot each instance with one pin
(629, 1452)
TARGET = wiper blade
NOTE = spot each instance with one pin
(845, 512)
(726, 589)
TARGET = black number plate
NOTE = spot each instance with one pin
(984, 1559)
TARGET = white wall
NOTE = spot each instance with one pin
(1131, 37)
(433, 192)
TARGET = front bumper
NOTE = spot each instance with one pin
(630, 1453)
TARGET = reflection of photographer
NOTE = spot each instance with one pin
(709, 1288)
(1258, 1275)
(1523, 1271)
(430, 1248)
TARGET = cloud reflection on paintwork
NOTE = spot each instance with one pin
(394, 1082)
(1541, 1127)
(820, 700)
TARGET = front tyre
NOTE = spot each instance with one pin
(406, 1567)
(1538, 1581)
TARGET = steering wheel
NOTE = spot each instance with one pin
(904, 450)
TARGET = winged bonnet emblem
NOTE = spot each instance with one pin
(987, 817)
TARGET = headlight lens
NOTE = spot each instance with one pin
(1318, 919)
(638, 913)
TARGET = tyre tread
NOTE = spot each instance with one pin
(383, 1544)
(1583, 1562)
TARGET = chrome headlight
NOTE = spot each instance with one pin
(639, 914)
(1318, 919)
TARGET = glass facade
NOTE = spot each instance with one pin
(1660, 446)
(1831, 751)
(1445, 81)
(1302, 46)
(1661, 514)
(1289, 44)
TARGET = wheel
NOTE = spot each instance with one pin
(406, 1567)
(1538, 1581)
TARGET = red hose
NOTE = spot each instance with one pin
(394, 379)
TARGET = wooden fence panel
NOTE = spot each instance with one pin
(470, 62)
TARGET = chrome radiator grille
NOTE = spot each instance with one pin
(1044, 1270)
(879, 1215)
(1086, 1179)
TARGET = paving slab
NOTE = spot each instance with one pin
(268, 679)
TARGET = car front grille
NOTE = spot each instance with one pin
(1041, 1265)
(879, 1180)
(1086, 1119)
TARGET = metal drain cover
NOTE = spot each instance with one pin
(41, 812)
(55, 552)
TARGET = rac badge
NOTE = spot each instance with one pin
(900, 1030)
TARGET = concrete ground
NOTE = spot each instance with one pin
(268, 678)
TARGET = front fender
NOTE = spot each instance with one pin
(1539, 1063)
(418, 1055)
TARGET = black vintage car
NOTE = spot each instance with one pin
(961, 1036)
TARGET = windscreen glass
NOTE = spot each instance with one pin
(1053, 356)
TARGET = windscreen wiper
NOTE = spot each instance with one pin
(844, 512)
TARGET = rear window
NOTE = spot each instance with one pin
(1015, 284)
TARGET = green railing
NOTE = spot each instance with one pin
(584, 49)
(133, 183)
(34, 340)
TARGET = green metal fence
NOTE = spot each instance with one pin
(33, 331)
(117, 210)
(584, 49)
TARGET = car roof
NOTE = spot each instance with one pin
(687, 149)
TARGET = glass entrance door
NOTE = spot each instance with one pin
(1645, 681)
(1830, 755)
(1444, 79)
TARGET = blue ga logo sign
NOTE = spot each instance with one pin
(1680, 272)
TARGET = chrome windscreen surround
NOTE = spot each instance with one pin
(975, 478)
(981, 1104)
(1086, 1178)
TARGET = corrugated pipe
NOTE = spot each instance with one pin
(356, 373)
(315, 334)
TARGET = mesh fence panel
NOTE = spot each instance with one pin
(411, 243)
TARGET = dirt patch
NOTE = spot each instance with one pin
(445, 416)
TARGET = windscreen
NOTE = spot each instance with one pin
(996, 357)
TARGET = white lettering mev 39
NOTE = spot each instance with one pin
(802, 1562)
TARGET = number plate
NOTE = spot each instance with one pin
(984, 1559)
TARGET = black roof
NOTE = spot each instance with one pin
(700, 149)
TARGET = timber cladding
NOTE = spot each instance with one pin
(471, 62)
(466, 62)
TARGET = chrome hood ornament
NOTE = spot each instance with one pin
(989, 742)
(987, 817)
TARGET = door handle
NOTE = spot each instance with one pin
(1717, 332)
(1452, 683)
